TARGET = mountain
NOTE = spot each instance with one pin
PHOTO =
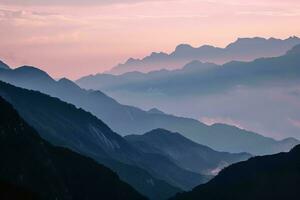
(155, 111)
(3, 65)
(244, 49)
(10, 191)
(64, 125)
(52, 172)
(127, 120)
(109, 82)
(266, 177)
(201, 77)
(186, 153)
(232, 93)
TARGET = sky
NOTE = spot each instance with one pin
(73, 38)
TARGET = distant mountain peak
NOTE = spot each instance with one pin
(198, 65)
(207, 47)
(293, 38)
(162, 134)
(158, 131)
(245, 41)
(158, 54)
(131, 60)
(68, 83)
(155, 111)
(182, 47)
(33, 71)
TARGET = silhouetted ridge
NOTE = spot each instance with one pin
(296, 150)
(245, 49)
(274, 177)
(52, 172)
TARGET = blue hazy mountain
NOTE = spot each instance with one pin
(127, 120)
(243, 49)
(266, 177)
(197, 76)
(65, 125)
(186, 153)
(231, 93)
(50, 172)
(110, 82)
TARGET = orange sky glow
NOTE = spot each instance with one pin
(75, 38)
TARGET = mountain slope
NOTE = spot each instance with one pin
(130, 120)
(9, 191)
(244, 49)
(52, 172)
(186, 153)
(266, 177)
(3, 65)
(64, 125)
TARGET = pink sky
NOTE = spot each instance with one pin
(89, 36)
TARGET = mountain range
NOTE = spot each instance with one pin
(264, 177)
(184, 152)
(63, 140)
(64, 125)
(127, 120)
(243, 49)
(51, 172)
(231, 93)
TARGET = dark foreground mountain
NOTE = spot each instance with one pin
(63, 124)
(273, 177)
(186, 153)
(10, 191)
(244, 49)
(127, 120)
(52, 172)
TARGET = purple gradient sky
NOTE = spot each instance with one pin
(76, 38)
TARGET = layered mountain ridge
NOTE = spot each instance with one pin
(52, 172)
(64, 125)
(244, 49)
(124, 119)
(260, 95)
